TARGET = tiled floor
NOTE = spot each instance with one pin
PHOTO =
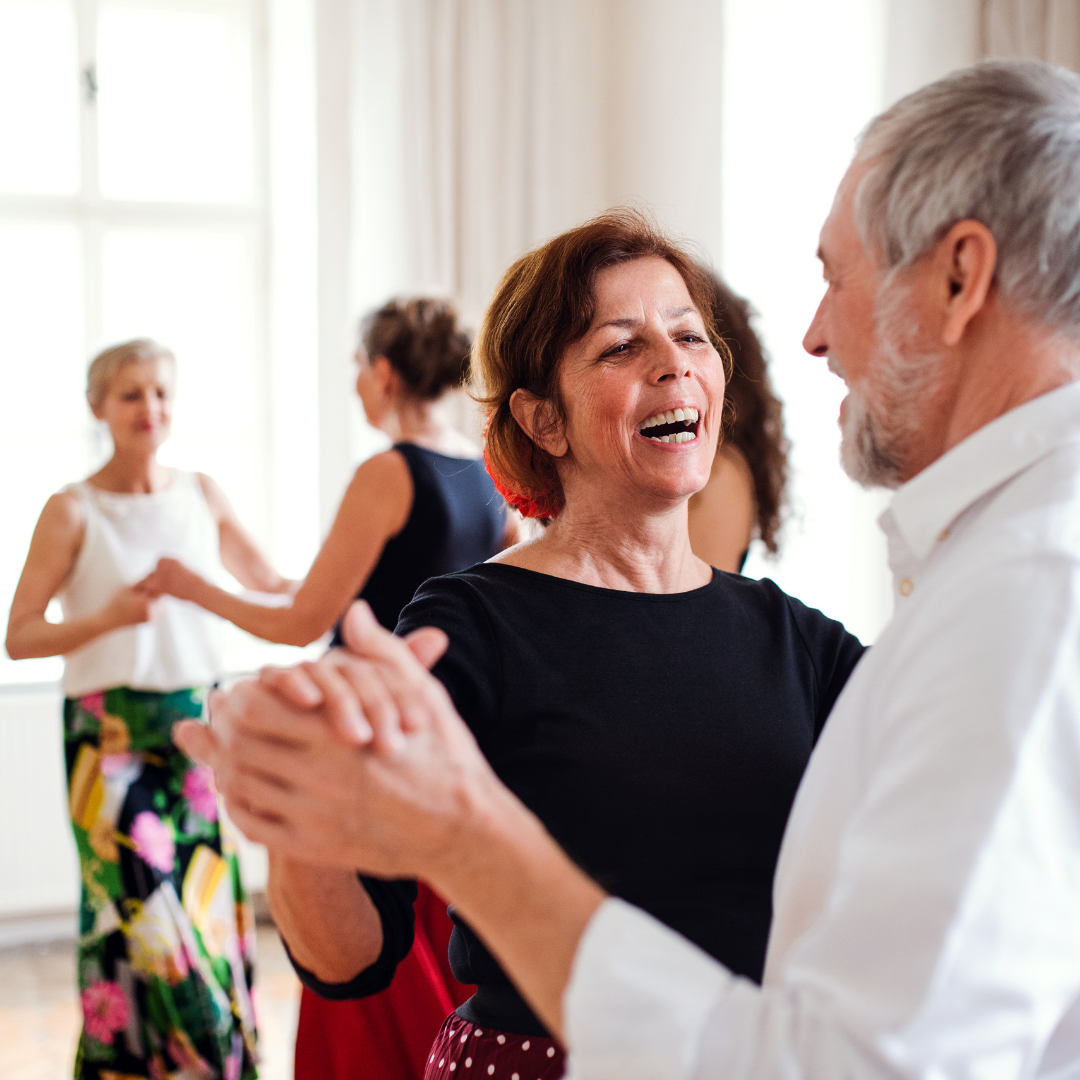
(39, 1015)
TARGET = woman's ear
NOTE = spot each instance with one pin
(538, 420)
(385, 377)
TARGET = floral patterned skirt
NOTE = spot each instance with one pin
(166, 938)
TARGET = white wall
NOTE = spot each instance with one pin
(793, 105)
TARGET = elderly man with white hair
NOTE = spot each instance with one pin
(927, 897)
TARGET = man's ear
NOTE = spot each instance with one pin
(538, 420)
(968, 257)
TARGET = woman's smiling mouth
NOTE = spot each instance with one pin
(673, 426)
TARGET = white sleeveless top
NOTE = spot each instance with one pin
(125, 536)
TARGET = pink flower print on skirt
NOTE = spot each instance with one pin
(153, 841)
(165, 944)
(105, 1011)
(201, 793)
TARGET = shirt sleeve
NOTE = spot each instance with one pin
(394, 901)
(833, 652)
(948, 944)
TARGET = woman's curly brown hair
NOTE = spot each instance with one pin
(753, 415)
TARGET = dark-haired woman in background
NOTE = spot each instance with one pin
(423, 508)
(745, 493)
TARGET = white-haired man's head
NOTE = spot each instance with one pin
(977, 174)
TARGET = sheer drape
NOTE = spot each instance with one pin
(1043, 29)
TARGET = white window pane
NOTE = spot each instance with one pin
(44, 420)
(195, 292)
(39, 97)
(41, 328)
(175, 102)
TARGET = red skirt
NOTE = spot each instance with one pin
(387, 1036)
(465, 1052)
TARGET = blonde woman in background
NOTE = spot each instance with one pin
(166, 940)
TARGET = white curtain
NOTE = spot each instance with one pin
(1041, 29)
(478, 130)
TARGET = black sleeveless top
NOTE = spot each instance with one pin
(456, 521)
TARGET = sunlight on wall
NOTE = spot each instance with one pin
(793, 105)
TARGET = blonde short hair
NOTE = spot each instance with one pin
(106, 364)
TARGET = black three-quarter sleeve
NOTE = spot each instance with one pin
(833, 652)
(394, 901)
(469, 671)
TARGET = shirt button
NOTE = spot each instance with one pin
(943, 536)
(905, 586)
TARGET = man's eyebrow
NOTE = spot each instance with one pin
(821, 255)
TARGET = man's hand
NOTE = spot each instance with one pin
(349, 761)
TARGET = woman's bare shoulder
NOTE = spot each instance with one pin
(63, 511)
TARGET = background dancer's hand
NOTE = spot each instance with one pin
(131, 605)
(175, 578)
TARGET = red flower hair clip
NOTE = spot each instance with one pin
(525, 506)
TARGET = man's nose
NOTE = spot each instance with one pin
(815, 342)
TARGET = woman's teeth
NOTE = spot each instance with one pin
(670, 417)
(683, 421)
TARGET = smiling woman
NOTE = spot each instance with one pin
(155, 866)
(655, 714)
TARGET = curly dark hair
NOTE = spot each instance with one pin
(423, 342)
(753, 416)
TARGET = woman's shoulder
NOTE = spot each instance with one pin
(64, 509)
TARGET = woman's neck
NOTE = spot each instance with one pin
(426, 424)
(595, 544)
(132, 474)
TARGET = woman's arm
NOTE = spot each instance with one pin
(240, 555)
(330, 923)
(723, 513)
(376, 506)
(55, 546)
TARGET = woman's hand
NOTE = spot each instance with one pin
(174, 578)
(131, 605)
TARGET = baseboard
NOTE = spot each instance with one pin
(37, 929)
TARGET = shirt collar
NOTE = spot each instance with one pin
(931, 501)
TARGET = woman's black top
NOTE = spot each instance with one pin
(457, 520)
(660, 739)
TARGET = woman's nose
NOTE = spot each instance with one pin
(671, 363)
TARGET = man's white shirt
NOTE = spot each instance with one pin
(927, 897)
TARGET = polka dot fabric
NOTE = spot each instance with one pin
(463, 1051)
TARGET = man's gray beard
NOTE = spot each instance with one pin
(884, 411)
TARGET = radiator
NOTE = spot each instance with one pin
(39, 870)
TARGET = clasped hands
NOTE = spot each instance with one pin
(357, 760)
